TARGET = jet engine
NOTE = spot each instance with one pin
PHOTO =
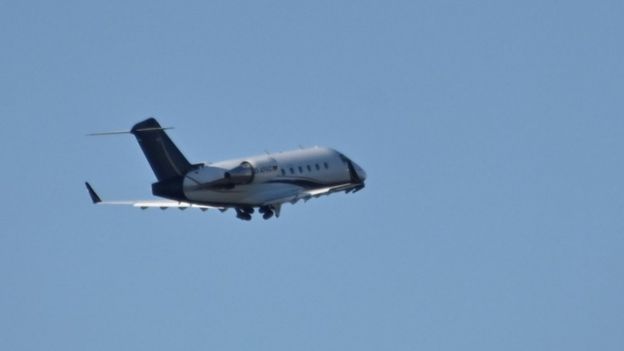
(243, 174)
(208, 177)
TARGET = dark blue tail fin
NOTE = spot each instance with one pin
(163, 156)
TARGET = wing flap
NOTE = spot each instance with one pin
(169, 204)
(144, 204)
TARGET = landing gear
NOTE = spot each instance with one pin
(244, 213)
(267, 212)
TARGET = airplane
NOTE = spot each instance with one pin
(263, 182)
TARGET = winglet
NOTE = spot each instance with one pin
(94, 196)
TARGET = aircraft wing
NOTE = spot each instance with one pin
(144, 204)
(306, 195)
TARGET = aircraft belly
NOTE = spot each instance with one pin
(252, 195)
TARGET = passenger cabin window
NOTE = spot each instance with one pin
(283, 172)
(300, 169)
(318, 168)
(292, 170)
(309, 168)
(326, 165)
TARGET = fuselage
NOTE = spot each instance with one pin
(260, 183)
(260, 178)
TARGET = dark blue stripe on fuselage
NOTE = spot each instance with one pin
(304, 183)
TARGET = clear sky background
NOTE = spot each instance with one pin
(492, 133)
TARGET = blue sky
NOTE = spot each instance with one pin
(491, 131)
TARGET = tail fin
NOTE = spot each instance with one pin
(163, 156)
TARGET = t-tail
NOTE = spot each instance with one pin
(163, 156)
(167, 162)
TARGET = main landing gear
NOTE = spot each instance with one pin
(245, 213)
(267, 212)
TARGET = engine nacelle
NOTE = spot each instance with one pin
(210, 177)
(243, 174)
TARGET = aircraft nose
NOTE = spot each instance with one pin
(361, 173)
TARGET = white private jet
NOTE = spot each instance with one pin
(264, 182)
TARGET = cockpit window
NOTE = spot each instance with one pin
(343, 158)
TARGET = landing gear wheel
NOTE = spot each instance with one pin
(242, 214)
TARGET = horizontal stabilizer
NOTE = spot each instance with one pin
(116, 132)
